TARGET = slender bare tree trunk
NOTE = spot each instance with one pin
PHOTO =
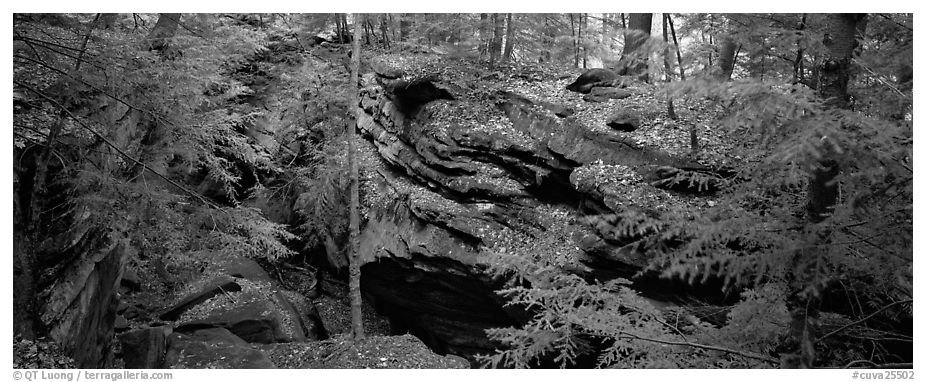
(584, 49)
(484, 34)
(575, 40)
(547, 38)
(693, 128)
(337, 26)
(495, 48)
(509, 39)
(356, 301)
(384, 30)
(670, 108)
(798, 74)
(678, 49)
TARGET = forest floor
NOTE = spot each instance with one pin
(379, 350)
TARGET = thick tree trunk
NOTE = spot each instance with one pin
(842, 31)
(164, 30)
(356, 301)
(495, 49)
(405, 24)
(108, 20)
(725, 61)
(509, 39)
(633, 61)
(486, 40)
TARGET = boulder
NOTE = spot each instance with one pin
(591, 79)
(145, 348)
(453, 176)
(79, 308)
(130, 280)
(215, 348)
(241, 267)
(304, 312)
(624, 120)
(121, 324)
(209, 290)
(257, 321)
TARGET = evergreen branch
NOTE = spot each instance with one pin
(743, 354)
(863, 319)
(110, 144)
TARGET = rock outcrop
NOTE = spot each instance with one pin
(82, 268)
(450, 171)
(215, 348)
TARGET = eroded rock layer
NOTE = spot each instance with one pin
(451, 169)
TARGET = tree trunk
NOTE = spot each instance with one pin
(366, 32)
(798, 67)
(164, 30)
(710, 41)
(633, 61)
(384, 31)
(338, 28)
(670, 108)
(484, 34)
(678, 49)
(842, 31)
(405, 24)
(495, 49)
(583, 26)
(575, 42)
(356, 301)
(726, 59)
(509, 39)
(347, 30)
(547, 38)
(108, 20)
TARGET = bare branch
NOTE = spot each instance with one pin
(846, 326)
(743, 354)
(110, 144)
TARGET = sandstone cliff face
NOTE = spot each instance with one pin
(78, 298)
(450, 169)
